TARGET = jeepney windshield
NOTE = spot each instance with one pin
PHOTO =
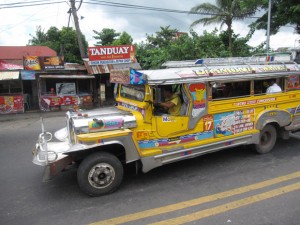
(133, 92)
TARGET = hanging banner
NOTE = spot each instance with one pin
(127, 76)
(101, 55)
(28, 75)
(43, 62)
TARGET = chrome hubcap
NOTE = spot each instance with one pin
(101, 175)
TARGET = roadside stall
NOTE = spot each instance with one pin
(63, 92)
(60, 86)
(11, 95)
(11, 90)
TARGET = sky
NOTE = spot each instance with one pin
(18, 24)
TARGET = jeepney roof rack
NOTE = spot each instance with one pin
(257, 59)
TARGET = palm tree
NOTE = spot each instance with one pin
(224, 12)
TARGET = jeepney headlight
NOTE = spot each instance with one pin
(52, 156)
(61, 134)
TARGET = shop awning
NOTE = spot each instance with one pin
(68, 76)
(9, 75)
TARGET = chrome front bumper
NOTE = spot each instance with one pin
(51, 155)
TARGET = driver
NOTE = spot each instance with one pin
(172, 101)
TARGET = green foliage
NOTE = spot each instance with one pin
(124, 39)
(283, 12)
(63, 41)
(224, 12)
(162, 38)
(106, 36)
(156, 50)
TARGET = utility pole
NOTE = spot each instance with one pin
(79, 35)
(268, 28)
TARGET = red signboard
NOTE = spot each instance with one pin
(99, 55)
(52, 101)
(11, 104)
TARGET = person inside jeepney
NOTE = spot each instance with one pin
(172, 102)
(273, 87)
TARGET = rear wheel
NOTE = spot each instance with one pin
(100, 174)
(267, 139)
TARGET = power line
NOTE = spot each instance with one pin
(110, 4)
(27, 4)
(122, 5)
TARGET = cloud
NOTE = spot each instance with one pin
(16, 29)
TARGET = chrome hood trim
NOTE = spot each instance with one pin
(103, 119)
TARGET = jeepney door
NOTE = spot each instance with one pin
(193, 108)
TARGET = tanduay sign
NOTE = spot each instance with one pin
(100, 55)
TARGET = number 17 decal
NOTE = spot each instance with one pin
(208, 123)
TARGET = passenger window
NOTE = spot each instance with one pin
(268, 86)
(231, 90)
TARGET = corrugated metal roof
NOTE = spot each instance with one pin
(17, 52)
(102, 69)
(74, 66)
(9, 75)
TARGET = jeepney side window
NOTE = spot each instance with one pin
(231, 89)
(261, 86)
(133, 92)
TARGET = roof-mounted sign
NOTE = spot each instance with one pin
(101, 55)
(127, 76)
(43, 62)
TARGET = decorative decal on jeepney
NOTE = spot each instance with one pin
(243, 120)
(198, 93)
(166, 119)
(186, 73)
(208, 123)
(132, 107)
(230, 123)
(174, 141)
(224, 124)
(294, 111)
(102, 124)
(293, 82)
(239, 70)
(99, 141)
(255, 101)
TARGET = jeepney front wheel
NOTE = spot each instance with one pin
(267, 139)
(100, 174)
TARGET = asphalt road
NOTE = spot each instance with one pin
(234, 186)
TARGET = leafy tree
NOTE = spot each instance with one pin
(124, 39)
(283, 12)
(39, 38)
(163, 37)
(150, 57)
(209, 45)
(224, 12)
(63, 41)
(106, 37)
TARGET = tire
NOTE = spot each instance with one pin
(267, 140)
(100, 174)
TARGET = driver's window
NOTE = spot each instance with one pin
(168, 100)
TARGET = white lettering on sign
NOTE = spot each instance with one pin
(110, 50)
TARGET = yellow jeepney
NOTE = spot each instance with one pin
(225, 102)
